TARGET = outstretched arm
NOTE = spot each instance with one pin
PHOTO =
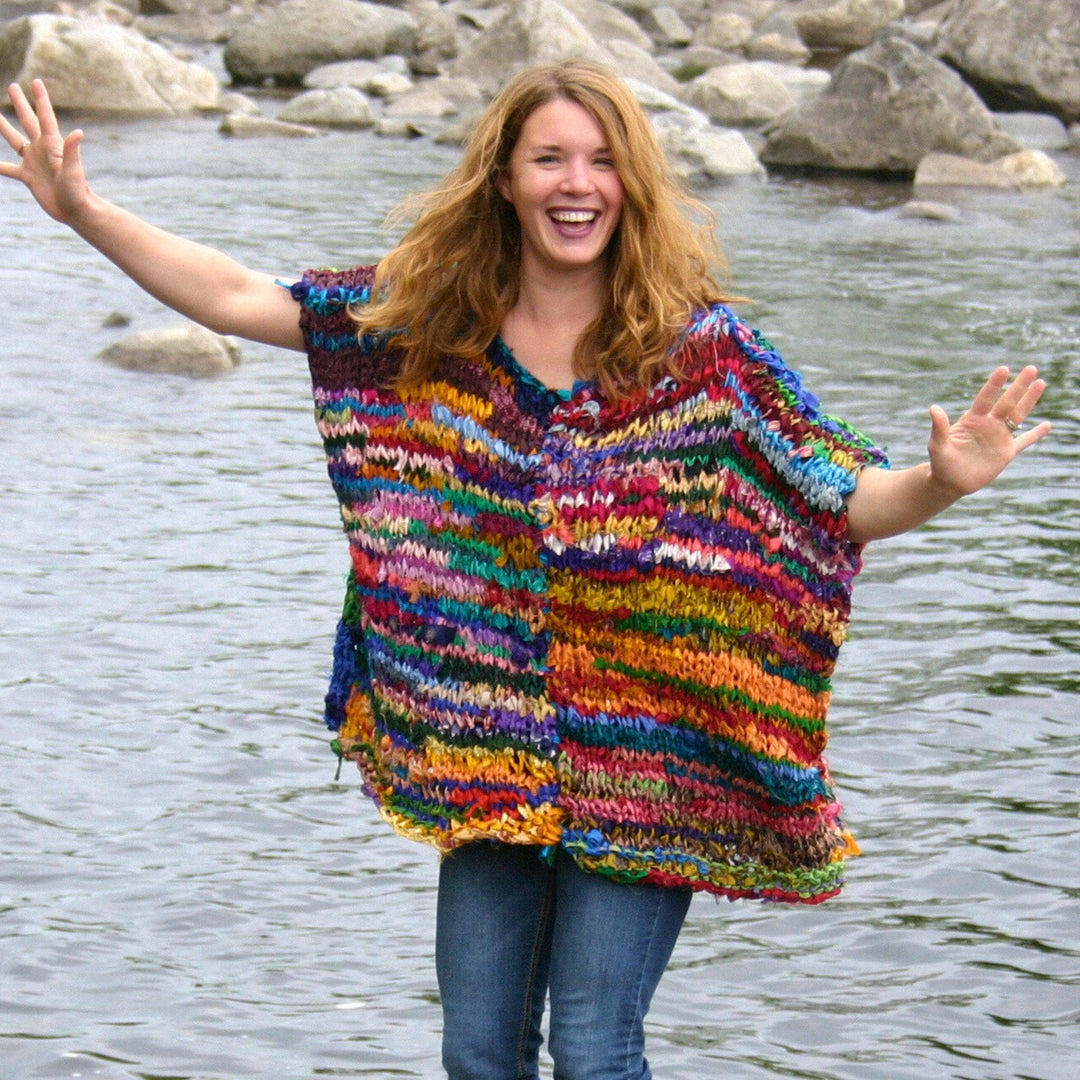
(195, 280)
(964, 457)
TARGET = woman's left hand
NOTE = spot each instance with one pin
(969, 454)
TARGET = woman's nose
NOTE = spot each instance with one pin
(578, 176)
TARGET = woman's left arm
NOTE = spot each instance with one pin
(964, 457)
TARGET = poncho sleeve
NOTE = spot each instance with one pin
(780, 428)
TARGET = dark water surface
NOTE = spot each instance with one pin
(185, 892)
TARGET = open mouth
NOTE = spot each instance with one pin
(573, 217)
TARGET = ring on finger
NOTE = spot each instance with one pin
(1011, 424)
(25, 146)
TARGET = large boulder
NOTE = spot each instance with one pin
(885, 108)
(1017, 52)
(286, 42)
(186, 349)
(97, 66)
(526, 33)
(847, 24)
(740, 95)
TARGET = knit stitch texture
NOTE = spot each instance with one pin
(603, 625)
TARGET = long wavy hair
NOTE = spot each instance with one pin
(445, 288)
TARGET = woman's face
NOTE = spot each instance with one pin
(563, 184)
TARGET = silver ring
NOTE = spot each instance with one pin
(1010, 424)
(25, 146)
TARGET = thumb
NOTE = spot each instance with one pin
(73, 150)
(939, 425)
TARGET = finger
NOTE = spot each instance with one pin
(1007, 403)
(44, 109)
(24, 112)
(1030, 438)
(1023, 408)
(990, 391)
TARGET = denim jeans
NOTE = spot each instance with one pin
(512, 929)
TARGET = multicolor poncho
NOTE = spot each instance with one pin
(605, 626)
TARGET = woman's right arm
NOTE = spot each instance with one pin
(197, 281)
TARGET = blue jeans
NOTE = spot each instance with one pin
(512, 929)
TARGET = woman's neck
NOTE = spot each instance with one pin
(545, 324)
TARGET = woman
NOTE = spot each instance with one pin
(602, 549)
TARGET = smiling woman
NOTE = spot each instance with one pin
(602, 547)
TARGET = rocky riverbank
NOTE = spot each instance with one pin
(955, 92)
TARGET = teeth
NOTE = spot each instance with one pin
(574, 217)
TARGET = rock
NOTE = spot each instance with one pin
(526, 33)
(725, 30)
(187, 349)
(242, 126)
(803, 83)
(288, 41)
(343, 106)
(1036, 131)
(97, 66)
(700, 155)
(929, 211)
(356, 73)
(386, 84)
(230, 101)
(847, 24)
(782, 48)
(398, 127)
(1032, 168)
(885, 108)
(423, 102)
(634, 62)
(1017, 53)
(608, 24)
(739, 95)
(666, 27)
(951, 170)
(434, 29)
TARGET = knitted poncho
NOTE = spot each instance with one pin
(605, 626)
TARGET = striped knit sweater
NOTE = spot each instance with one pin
(605, 626)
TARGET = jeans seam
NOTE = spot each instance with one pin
(541, 923)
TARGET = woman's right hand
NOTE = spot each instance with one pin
(51, 165)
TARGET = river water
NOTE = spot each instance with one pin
(186, 892)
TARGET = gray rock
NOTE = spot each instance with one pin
(608, 24)
(342, 106)
(1032, 169)
(100, 67)
(356, 73)
(286, 42)
(424, 102)
(929, 210)
(847, 24)
(242, 126)
(701, 155)
(526, 33)
(231, 101)
(187, 349)
(666, 27)
(740, 95)
(951, 170)
(725, 30)
(1024, 169)
(783, 48)
(631, 61)
(885, 108)
(1017, 52)
(1036, 131)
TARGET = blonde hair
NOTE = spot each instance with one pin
(447, 286)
